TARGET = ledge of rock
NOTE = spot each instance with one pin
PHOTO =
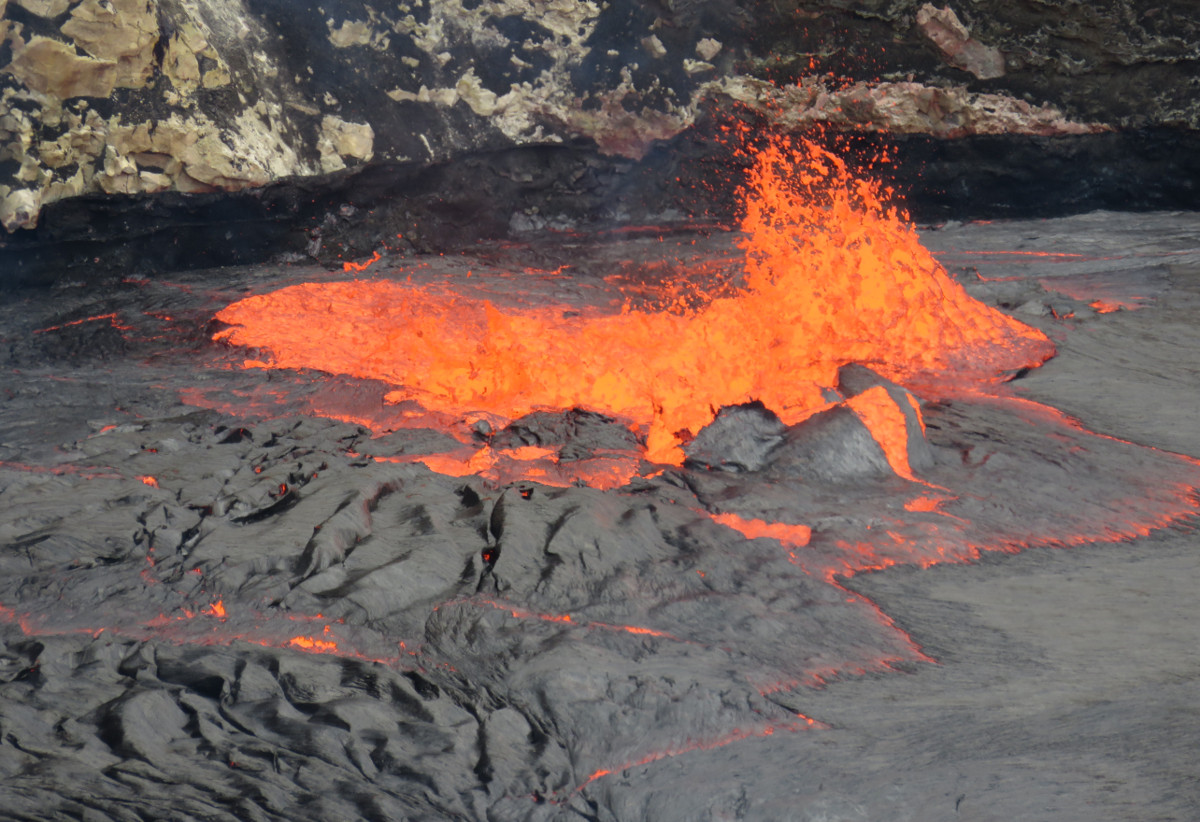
(103, 99)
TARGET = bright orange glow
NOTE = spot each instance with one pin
(792, 536)
(307, 643)
(603, 471)
(885, 420)
(634, 629)
(151, 481)
(831, 277)
(361, 266)
(458, 464)
(1102, 297)
(927, 504)
(521, 613)
(1109, 306)
(113, 320)
(801, 722)
(257, 628)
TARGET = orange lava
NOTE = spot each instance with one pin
(887, 424)
(793, 536)
(801, 722)
(113, 320)
(831, 277)
(1109, 306)
(604, 471)
(308, 643)
(1102, 297)
(522, 613)
(363, 266)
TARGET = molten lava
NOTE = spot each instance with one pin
(887, 424)
(831, 277)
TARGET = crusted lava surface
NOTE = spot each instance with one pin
(233, 593)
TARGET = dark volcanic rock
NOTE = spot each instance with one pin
(157, 136)
(830, 446)
(216, 604)
(833, 445)
(578, 434)
(854, 379)
(740, 438)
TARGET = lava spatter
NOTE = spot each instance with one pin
(831, 277)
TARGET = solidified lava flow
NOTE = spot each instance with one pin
(273, 607)
(831, 277)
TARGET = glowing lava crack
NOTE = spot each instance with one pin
(831, 277)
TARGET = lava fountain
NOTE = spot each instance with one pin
(831, 277)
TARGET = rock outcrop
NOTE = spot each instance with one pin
(142, 97)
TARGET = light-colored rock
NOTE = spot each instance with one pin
(473, 75)
(16, 134)
(444, 97)
(215, 78)
(122, 31)
(952, 38)
(196, 40)
(42, 8)
(654, 47)
(900, 108)
(181, 66)
(153, 160)
(54, 68)
(73, 186)
(340, 139)
(708, 48)
(152, 181)
(120, 173)
(86, 135)
(19, 209)
(471, 91)
(32, 173)
(350, 33)
(617, 131)
(196, 155)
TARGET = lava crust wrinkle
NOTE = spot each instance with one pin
(301, 619)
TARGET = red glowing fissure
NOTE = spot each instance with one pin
(522, 613)
(112, 319)
(801, 722)
(191, 625)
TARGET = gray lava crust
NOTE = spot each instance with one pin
(217, 602)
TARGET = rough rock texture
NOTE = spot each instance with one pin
(946, 31)
(219, 602)
(137, 97)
